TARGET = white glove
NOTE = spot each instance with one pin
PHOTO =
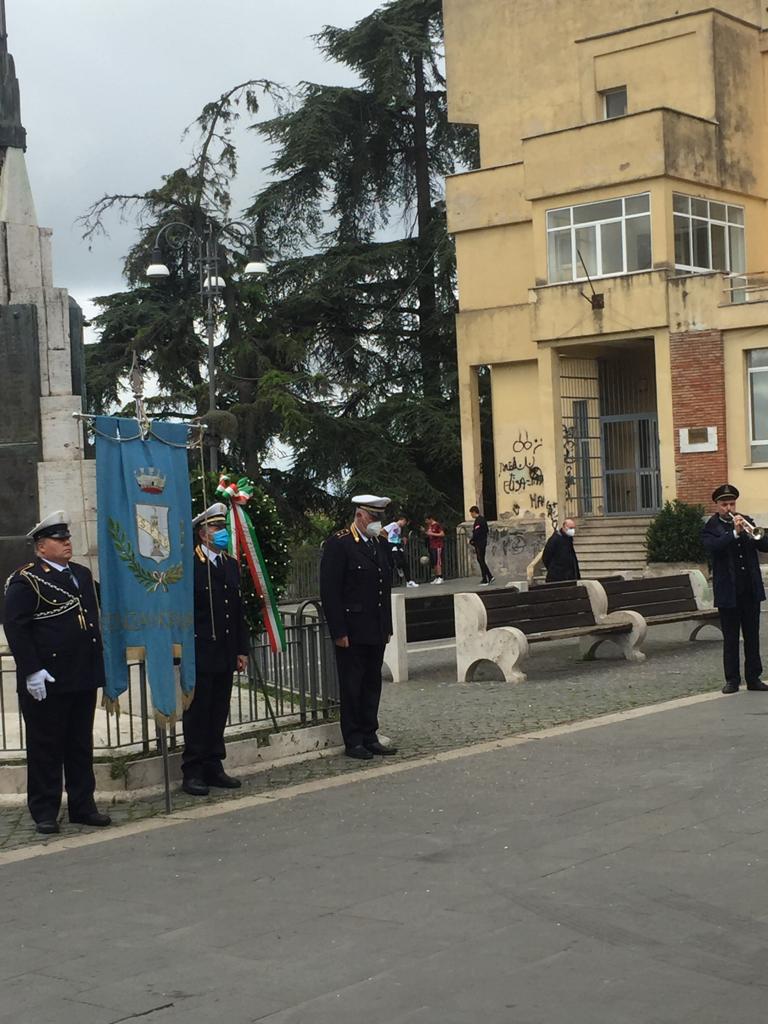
(36, 684)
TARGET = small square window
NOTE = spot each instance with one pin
(615, 102)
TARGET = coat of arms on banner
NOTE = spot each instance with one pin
(152, 527)
(151, 537)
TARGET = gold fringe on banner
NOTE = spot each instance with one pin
(165, 721)
(111, 705)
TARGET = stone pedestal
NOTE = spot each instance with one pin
(513, 544)
(43, 465)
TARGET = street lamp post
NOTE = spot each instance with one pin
(176, 235)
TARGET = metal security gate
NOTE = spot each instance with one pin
(631, 464)
(581, 439)
(610, 456)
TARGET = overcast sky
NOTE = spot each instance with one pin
(107, 87)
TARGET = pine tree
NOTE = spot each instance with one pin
(162, 321)
(367, 280)
(345, 352)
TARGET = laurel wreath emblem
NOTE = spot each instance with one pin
(151, 580)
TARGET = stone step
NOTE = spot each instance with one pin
(606, 544)
(637, 555)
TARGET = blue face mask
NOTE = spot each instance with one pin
(221, 539)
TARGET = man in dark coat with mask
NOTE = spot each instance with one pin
(559, 556)
(738, 586)
(221, 648)
(355, 585)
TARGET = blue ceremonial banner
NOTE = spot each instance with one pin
(145, 556)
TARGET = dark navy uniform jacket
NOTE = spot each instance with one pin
(220, 639)
(355, 586)
(52, 624)
(735, 565)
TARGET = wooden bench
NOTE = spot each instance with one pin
(500, 626)
(661, 600)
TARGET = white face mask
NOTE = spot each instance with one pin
(374, 529)
(570, 532)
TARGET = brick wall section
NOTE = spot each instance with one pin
(698, 400)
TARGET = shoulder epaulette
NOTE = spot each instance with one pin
(20, 572)
(343, 533)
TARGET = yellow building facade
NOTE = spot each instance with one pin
(610, 250)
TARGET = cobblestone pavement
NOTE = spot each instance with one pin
(434, 713)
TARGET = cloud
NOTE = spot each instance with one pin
(107, 87)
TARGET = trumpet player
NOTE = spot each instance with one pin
(733, 541)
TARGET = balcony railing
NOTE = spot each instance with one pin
(751, 287)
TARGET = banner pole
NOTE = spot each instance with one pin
(163, 737)
(263, 686)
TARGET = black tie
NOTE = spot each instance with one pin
(70, 579)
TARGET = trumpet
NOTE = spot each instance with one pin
(755, 532)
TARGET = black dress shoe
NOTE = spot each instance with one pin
(223, 781)
(360, 753)
(94, 818)
(757, 685)
(378, 748)
(47, 828)
(195, 787)
(730, 688)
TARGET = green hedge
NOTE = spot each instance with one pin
(675, 534)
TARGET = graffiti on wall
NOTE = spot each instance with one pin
(521, 474)
(569, 458)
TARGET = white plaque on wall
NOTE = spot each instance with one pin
(698, 439)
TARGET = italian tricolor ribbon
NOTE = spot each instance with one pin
(244, 543)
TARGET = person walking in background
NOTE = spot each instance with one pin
(479, 541)
(436, 543)
(52, 626)
(559, 555)
(738, 587)
(394, 532)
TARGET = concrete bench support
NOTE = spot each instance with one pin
(396, 654)
(504, 646)
(628, 643)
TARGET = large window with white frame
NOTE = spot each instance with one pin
(602, 239)
(708, 235)
(757, 373)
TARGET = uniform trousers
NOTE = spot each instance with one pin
(744, 619)
(359, 667)
(204, 722)
(59, 740)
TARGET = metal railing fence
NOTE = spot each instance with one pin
(298, 687)
(458, 562)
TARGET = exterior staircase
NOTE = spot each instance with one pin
(611, 545)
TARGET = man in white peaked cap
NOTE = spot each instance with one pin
(355, 585)
(52, 626)
(221, 648)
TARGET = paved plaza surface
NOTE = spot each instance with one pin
(604, 873)
(434, 713)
